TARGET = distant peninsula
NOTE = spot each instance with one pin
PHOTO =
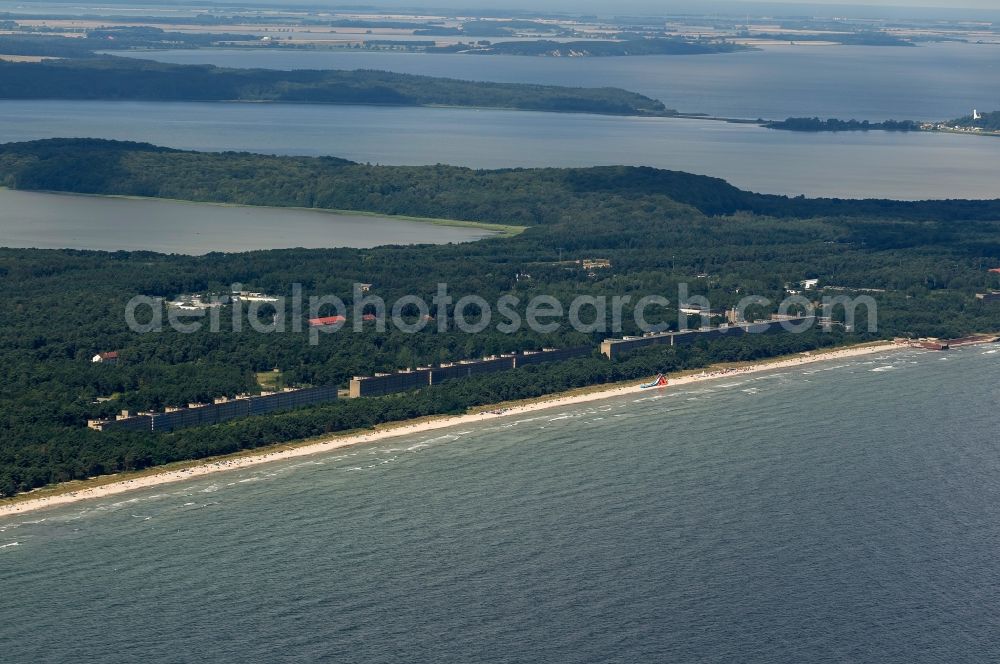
(987, 124)
(594, 48)
(111, 78)
(127, 79)
(859, 38)
(817, 125)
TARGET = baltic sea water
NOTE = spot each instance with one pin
(836, 512)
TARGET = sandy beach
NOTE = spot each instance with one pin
(117, 484)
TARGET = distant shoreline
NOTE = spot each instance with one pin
(102, 487)
(128, 79)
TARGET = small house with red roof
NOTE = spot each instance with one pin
(110, 357)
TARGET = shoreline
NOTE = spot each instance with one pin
(111, 485)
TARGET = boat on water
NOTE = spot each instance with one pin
(661, 381)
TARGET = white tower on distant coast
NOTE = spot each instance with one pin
(976, 115)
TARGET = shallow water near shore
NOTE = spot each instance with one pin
(844, 510)
(64, 221)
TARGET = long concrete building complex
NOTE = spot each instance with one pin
(222, 410)
(389, 383)
(614, 348)
(404, 381)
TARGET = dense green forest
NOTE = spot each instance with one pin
(129, 79)
(816, 125)
(520, 196)
(596, 48)
(658, 229)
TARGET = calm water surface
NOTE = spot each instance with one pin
(930, 82)
(839, 512)
(59, 221)
(855, 165)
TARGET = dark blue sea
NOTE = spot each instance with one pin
(839, 512)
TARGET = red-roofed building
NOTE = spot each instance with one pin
(111, 357)
(995, 270)
(326, 320)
